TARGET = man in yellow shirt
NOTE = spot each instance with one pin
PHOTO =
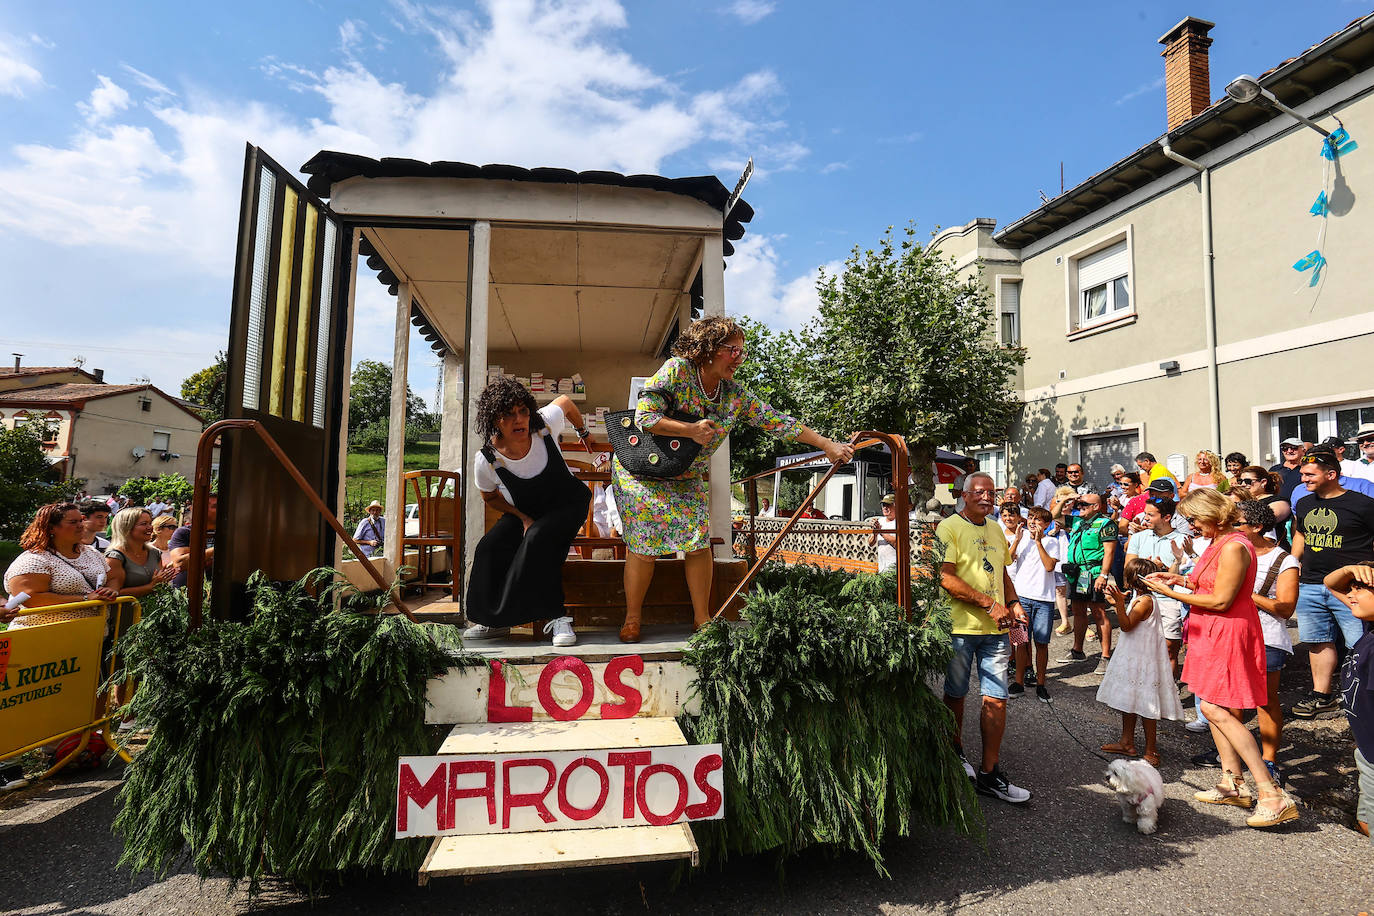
(1146, 462)
(983, 605)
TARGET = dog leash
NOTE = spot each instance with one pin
(1054, 712)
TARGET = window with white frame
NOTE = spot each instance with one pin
(1097, 454)
(162, 441)
(1104, 285)
(992, 461)
(1313, 424)
(1009, 313)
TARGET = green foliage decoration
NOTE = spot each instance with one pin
(274, 742)
(831, 732)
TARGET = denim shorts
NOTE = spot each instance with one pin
(1041, 614)
(992, 652)
(1321, 615)
(1274, 659)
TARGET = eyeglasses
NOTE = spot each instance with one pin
(736, 352)
(1190, 520)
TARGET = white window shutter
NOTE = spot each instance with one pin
(1100, 266)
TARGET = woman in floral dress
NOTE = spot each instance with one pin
(665, 516)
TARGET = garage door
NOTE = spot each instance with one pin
(1097, 454)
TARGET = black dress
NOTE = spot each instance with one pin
(517, 575)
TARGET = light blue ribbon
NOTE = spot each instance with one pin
(1313, 262)
(1338, 144)
(1320, 207)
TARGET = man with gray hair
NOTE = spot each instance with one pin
(984, 606)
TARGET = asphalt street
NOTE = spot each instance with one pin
(1066, 852)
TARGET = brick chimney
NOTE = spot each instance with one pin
(99, 375)
(1187, 80)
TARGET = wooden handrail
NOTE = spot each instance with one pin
(900, 472)
(200, 507)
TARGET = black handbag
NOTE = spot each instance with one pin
(648, 454)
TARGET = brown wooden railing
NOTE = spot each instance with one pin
(200, 508)
(900, 473)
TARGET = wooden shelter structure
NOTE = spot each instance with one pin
(534, 270)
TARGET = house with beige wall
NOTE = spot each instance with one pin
(1158, 301)
(102, 433)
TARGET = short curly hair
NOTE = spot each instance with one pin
(37, 537)
(500, 397)
(702, 338)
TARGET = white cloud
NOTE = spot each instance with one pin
(1142, 89)
(16, 73)
(751, 11)
(157, 88)
(834, 167)
(753, 286)
(107, 99)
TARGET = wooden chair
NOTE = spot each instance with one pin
(440, 525)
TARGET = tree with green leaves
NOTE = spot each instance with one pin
(27, 480)
(768, 373)
(369, 396)
(903, 344)
(206, 389)
(168, 488)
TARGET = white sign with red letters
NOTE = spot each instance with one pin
(566, 689)
(514, 793)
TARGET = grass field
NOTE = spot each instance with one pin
(367, 470)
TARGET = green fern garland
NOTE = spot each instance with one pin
(274, 742)
(832, 734)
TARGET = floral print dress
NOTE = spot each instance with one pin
(663, 516)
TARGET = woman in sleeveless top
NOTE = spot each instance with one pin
(517, 572)
(1209, 474)
(56, 568)
(1225, 661)
(135, 565)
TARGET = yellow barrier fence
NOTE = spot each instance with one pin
(50, 677)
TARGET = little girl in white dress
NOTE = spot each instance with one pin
(1139, 682)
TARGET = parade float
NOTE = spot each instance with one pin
(301, 727)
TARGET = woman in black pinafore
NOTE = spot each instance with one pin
(517, 573)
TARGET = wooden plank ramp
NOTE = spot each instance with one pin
(480, 854)
(452, 856)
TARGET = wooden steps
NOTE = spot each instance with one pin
(480, 854)
(484, 854)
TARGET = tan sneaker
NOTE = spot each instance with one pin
(1271, 816)
(1230, 791)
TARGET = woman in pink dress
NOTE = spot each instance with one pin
(1225, 662)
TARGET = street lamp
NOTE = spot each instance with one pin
(1245, 89)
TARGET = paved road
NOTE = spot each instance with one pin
(1065, 853)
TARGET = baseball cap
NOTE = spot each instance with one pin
(1291, 440)
(890, 499)
(1365, 432)
(1161, 485)
(1332, 442)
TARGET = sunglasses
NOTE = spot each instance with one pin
(1322, 460)
(1190, 520)
(736, 352)
(1249, 481)
(1291, 448)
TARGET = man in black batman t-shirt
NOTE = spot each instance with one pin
(1332, 527)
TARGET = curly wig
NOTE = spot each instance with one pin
(38, 536)
(500, 397)
(702, 338)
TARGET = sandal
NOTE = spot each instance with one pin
(1151, 757)
(1064, 629)
(1116, 747)
(1232, 790)
(630, 632)
(1267, 816)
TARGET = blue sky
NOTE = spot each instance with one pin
(122, 129)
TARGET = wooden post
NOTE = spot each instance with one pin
(451, 449)
(713, 303)
(396, 432)
(346, 358)
(474, 380)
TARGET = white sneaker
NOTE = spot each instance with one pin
(1198, 725)
(562, 628)
(478, 631)
(996, 785)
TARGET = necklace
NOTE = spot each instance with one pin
(713, 398)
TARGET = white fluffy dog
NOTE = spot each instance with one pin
(1139, 790)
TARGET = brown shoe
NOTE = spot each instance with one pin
(630, 632)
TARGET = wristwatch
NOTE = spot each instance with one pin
(583, 432)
